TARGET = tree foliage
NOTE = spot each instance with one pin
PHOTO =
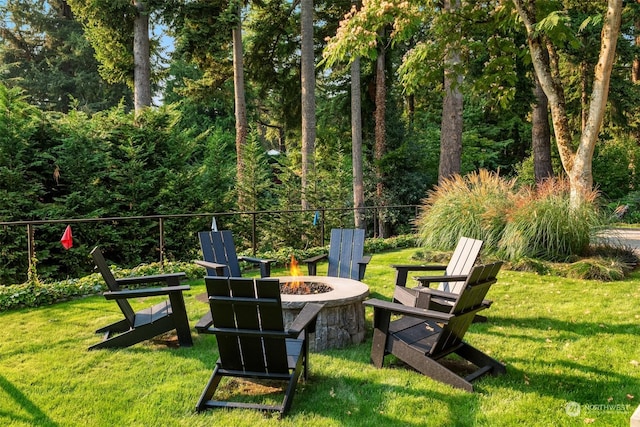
(93, 161)
(43, 50)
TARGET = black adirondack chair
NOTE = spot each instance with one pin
(345, 257)
(462, 261)
(452, 280)
(148, 323)
(221, 259)
(252, 341)
(422, 338)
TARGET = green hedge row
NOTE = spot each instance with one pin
(35, 293)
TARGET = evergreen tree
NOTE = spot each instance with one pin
(44, 51)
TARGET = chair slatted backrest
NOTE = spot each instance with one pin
(247, 321)
(346, 248)
(218, 247)
(461, 262)
(112, 284)
(467, 304)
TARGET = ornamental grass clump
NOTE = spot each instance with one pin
(472, 206)
(543, 224)
(514, 223)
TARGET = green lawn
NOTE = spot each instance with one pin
(562, 340)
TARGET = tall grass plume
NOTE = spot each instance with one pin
(471, 206)
(543, 225)
(515, 223)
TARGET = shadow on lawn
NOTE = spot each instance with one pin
(561, 375)
(32, 416)
(348, 397)
(583, 329)
(356, 401)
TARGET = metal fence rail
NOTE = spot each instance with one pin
(319, 215)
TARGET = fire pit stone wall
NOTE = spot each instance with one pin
(341, 321)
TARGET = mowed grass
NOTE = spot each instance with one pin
(562, 340)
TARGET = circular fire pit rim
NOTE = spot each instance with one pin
(344, 291)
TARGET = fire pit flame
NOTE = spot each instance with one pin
(294, 271)
(298, 284)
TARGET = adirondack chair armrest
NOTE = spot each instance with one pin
(436, 293)
(219, 268)
(427, 280)
(255, 260)
(145, 292)
(315, 258)
(171, 279)
(265, 264)
(311, 263)
(419, 267)
(397, 308)
(362, 265)
(402, 271)
(366, 259)
(306, 319)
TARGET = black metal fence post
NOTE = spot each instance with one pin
(254, 244)
(161, 240)
(322, 229)
(31, 251)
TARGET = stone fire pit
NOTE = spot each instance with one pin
(341, 321)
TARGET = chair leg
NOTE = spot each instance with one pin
(125, 339)
(305, 357)
(381, 319)
(136, 335)
(180, 319)
(312, 268)
(378, 348)
(429, 367)
(265, 269)
(481, 359)
(209, 390)
(291, 387)
(119, 326)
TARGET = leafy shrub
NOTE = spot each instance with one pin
(532, 265)
(35, 293)
(371, 246)
(614, 168)
(603, 269)
(630, 204)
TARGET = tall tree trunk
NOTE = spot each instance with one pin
(451, 125)
(541, 136)
(635, 68)
(584, 95)
(380, 145)
(356, 145)
(240, 103)
(576, 162)
(581, 175)
(66, 12)
(308, 82)
(141, 59)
